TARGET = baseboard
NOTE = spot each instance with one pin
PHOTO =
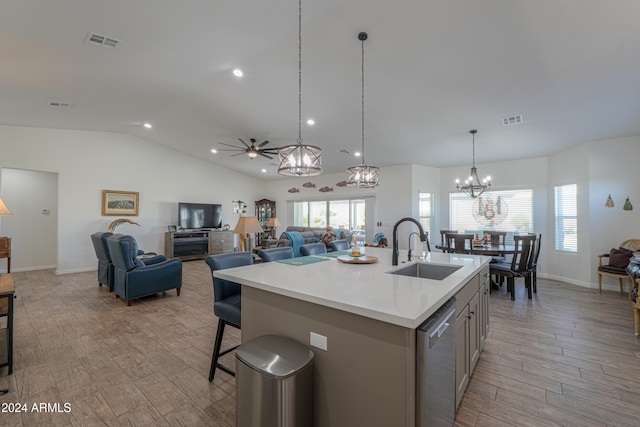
(605, 286)
(39, 267)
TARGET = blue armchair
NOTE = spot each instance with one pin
(134, 278)
(105, 267)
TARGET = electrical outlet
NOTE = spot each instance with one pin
(318, 341)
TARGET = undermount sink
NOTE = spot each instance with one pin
(427, 271)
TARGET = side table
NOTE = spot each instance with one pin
(5, 251)
(7, 290)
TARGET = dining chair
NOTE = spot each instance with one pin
(459, 243)
(519, 266)
(443, 238)
(339, 245)
(534, 263)
(313, 249)
(275, 254)
(497, 237)
(226, 302)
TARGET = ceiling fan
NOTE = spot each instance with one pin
(252, 150)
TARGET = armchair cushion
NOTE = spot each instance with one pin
(620, 257)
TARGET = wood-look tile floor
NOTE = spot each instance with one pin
(568, 357)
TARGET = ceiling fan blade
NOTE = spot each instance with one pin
(246, 145)
(268, 157)
(229, 145)
(263, 143)
(239, 154)
(229, 149)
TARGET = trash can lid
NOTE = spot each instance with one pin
(274, 355)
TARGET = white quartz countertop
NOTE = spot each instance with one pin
(363, 289)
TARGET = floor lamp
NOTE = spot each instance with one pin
(246, 225)
(3, 212)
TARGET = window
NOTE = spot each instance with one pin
(346, 214)
(510, 211)
(566, 213)
(425, 212)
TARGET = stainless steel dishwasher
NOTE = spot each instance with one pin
(436, 368)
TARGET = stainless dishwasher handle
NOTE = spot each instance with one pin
(442, 327)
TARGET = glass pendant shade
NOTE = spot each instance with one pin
(300, 160)
(473, 187)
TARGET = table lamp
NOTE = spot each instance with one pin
(245, 226)
(273, 223)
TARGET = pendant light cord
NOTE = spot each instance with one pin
(300, 72)
(362, 99)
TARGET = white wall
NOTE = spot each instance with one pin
(32, 197)
(89, 162)
(612, 169)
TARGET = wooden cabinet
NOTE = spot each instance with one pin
(5, 251)
(188, 245)
(265, 210)
(471, 328)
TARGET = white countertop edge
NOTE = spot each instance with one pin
(403, 321)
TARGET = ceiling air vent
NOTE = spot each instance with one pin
(59, 104)
(98, 39)
(512, 120)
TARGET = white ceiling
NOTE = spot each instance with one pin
(433, 71)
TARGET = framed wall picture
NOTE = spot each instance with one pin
(119, 203)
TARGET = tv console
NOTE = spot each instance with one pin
(197, 244)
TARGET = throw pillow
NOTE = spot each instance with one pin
(620, 257)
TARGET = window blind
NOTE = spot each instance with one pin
(512, 212)
(425, 212)
(566, 218)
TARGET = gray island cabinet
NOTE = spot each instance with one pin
(367, 374)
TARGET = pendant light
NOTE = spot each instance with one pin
(473, 187)
(363, 176)
(300, 159)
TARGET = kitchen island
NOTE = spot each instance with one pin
(367, 375)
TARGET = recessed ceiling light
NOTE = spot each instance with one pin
(264, 171)
(147, 125)
(238, 72)
(357, 154)
(311, 122)
(214, 151)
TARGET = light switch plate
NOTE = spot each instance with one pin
(318, 341)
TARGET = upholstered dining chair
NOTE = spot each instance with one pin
(339, 245)
(443, 238)
(458, 243)
(274, 254)
(226, 303)
(497, 237)
(534, 263)
(313, 249)
(519, 266)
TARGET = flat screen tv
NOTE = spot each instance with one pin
(193, 216)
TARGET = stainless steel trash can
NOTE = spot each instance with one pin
(274, 383)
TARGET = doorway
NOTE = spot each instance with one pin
(32, 198)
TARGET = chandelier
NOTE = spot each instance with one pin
(363, 176)
(300, 159)
(473, 187)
